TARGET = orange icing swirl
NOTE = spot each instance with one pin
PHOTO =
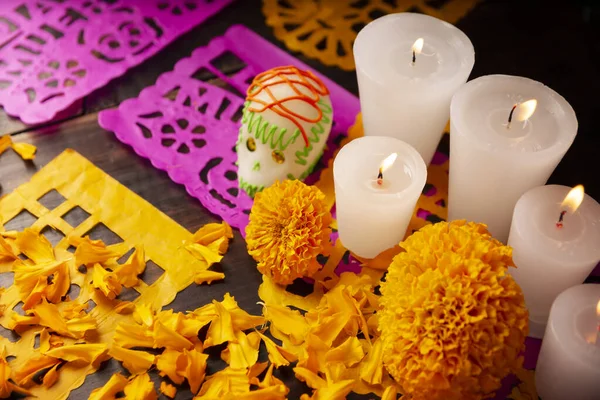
(294, 78)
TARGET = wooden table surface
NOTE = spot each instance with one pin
(555, 43)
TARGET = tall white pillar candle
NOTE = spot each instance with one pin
(568, 366)
(373, 216)
(405, 99)
(551, 249)
(491, 163)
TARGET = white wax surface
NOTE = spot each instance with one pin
(549, 259)
(492, 166)
(405, 100)
(568, 365)
(373, 218)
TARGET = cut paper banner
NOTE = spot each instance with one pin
(53, 53)
(187, 124)
(326, 29)
(84, 198)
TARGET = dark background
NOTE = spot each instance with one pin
(557, 43)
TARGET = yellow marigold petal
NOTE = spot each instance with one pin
(51, 377)
(288, 229)
(136, 361)
(128, 272)
(105, 281)
(310, 378)
(80, 325)
(35, 246)
(7, 387)
(17, 321)
(203, 253)
(242, 353)
(50, 317)
(256, 369)
(5, 142)
(86, 353)
(214, 236)
(168, 390)
(348, 353)
(169, 338)
(208, 277)
(278, 392)
(143, 314)
(228, 381)
(32, 281)
(390, 393)
(90, 252)
(115, 384)
(371, 368)
(277, 354)
(334, 391)
(288, 321)
(221, 328)
(140, 388)
(172, 363)
(133, 335)
(24, 376)
(125, 307)
(6, 250)
(25, 150)
(195, 370)
(48, 341)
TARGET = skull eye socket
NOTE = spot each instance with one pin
(278, 156)
(251, 144)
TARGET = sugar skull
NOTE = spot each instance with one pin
(286, 120)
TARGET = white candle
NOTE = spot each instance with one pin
(553, 253)
(405, 99)
(568, 366)
(491, 163)
(372, 214)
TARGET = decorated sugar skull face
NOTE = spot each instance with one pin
(286, 121)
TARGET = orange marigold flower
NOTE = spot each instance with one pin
(289, 227)
(453, 321)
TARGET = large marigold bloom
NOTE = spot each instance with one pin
(453, 321)
(289, 227)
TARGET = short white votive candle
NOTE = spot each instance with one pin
(405, 99)
(568, 366)
(552, 253)
(492, 164)
(373, 217)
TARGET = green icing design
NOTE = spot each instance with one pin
(249, 188)
(315, 134)
(256, 166)
(308, 171)
(266, 132)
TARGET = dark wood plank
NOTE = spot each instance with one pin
(11, 125)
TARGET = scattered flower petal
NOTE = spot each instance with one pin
(135, 361)
(115, 384)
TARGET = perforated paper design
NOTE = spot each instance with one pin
(188, 126)
(326, 29)
(53, 52)
(88, 198)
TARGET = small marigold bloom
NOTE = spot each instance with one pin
(289, 227)
(453, 321)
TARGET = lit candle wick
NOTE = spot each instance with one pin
(571, 203)
(559, 223)
(524, 111)
(416, 49)
(385, 164)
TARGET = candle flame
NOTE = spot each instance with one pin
(418, 46)
(525, 110)
(574, 198)
(388, 162)
(598, 309)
